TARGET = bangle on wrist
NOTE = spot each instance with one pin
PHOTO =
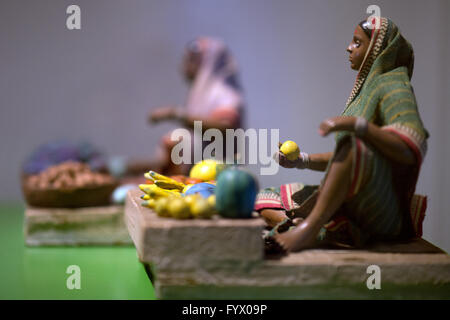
(361, 127)
(304, 163)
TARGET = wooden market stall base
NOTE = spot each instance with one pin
(224, 259)
(76, 227)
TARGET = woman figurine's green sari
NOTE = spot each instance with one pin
(381, 204)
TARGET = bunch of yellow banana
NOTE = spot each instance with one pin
(153, 191)
(162, 187)
(164, 182)
(165, 197)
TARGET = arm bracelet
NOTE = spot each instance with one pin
(361, 127)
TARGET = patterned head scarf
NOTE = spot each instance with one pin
(216, 82)
(388, 50)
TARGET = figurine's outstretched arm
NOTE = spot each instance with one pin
(388, 143)
(222, 118)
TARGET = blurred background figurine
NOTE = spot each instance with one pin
(215, 98)
(368, 189)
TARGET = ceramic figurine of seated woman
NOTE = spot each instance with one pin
(370, 178)
(215, 98)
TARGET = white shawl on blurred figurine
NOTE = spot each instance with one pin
(215, 91)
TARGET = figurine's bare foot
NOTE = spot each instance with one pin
(302, 237)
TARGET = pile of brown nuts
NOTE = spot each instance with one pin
(68, 175)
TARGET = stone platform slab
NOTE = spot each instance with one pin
(173, 244)
(76, 227)
(196, 259)
(315, 274)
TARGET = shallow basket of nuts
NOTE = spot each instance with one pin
(68, 185)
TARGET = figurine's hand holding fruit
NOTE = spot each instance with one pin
(163, 113)
(283, 161)
(289, 156)
(290, 149)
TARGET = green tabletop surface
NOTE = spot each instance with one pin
(41, 272)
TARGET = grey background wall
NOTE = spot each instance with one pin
(100, 82)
